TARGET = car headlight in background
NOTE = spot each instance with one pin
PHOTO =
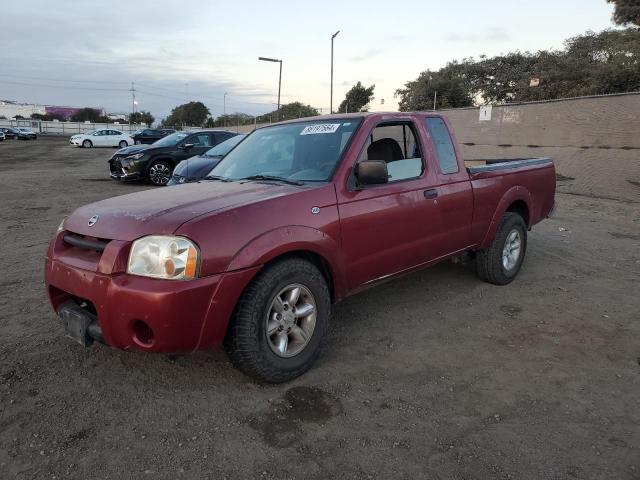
(160, 256)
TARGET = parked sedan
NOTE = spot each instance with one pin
(1, 136)
(26, 134)
(9, 133)
(196, 168)
(151, 135)
(101, 138)
(156, 162)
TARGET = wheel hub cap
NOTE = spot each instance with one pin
(511, 250)
(290, 320)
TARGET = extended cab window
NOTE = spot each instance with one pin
(396, 144)
(441, 139)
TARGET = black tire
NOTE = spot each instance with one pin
(489, 263)
(123, 144)
(246, 341)
(160, 172)
(87, 144)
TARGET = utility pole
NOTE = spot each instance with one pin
(186, 92)
(133, 103)
(435, 96)
(331, 99)
(224, 108)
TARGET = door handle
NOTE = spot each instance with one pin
(431, 193)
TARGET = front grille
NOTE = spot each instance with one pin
(115, 166)
(84, 242)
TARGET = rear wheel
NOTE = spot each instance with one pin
(87, 144)
(123, 144)
(160, 172)
(500, 263)
(280, 321)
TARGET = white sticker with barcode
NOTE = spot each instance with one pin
(320, 128)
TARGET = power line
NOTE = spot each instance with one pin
(6, 82)
(62, 80)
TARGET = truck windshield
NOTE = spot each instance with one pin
(304, 151)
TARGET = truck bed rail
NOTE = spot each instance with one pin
(508, 164)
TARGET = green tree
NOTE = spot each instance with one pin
(142, 117)
(357, 99)
(288, 112)
(48, 117)
(589, 64)
(449, 87)
(193, 114)
(87, 114)
(626, 12)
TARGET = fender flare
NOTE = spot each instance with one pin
(295, 238)
(514, 194)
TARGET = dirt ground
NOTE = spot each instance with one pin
(436, 375)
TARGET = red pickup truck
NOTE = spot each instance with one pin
(298, 216)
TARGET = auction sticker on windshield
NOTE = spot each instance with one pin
(320, 128)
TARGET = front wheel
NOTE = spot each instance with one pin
(500, 263)
(280, 321)
(87, 144)
(123, 144)
(160, 173)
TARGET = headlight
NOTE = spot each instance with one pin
(159, 256)
(134, 157)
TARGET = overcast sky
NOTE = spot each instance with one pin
(84, 53)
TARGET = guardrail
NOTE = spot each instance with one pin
(68, 128)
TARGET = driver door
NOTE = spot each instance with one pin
(100, 138)
(201, 143)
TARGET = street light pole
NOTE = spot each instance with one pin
(331, 99)
(224, 108)
(266, 59)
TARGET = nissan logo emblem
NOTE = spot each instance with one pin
(92, 221)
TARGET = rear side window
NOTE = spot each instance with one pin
(444, 146)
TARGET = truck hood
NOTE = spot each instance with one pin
(163, 210)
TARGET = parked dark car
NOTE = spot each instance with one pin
(156, 162)
(196, 168)
(149, 135)
(9, 133)
(26, 134)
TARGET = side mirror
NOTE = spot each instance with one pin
(371, 172)
(187, 146)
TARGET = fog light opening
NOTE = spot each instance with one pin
(142, 333)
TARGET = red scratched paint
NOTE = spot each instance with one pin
(363, 236)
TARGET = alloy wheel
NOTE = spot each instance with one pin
(290, 320)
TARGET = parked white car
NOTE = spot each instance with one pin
(105, 137)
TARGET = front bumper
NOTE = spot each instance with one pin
(118, 172)
(140, 313)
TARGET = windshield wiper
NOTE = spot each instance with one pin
(217, 177)
(275, 178)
